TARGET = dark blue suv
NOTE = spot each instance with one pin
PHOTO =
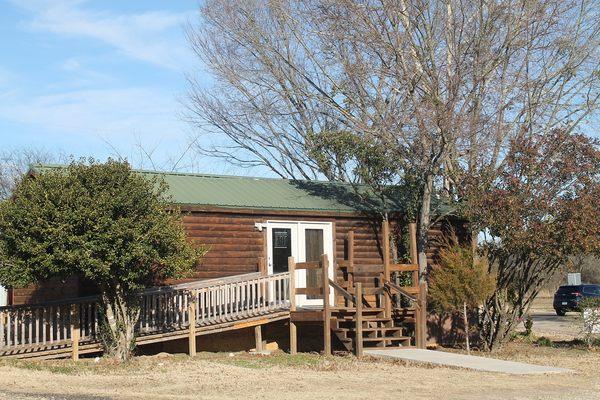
(567, 298)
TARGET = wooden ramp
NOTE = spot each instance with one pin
(71, 328)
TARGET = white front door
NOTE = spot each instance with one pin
(305, 241)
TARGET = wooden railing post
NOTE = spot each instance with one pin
(386, 267)
(414, 259)
(192, 322)
(293, 332)
(359, 320)
(326, 306)
(423, 315)
(75, 331)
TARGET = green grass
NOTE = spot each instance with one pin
(64, 367)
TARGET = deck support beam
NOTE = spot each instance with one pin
(293, 331)
(258, 338)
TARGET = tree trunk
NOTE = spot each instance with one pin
(121, 316)
(424, 221)
(467, 330)
(422, 241)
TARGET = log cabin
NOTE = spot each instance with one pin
(272, 226)
(244, 219)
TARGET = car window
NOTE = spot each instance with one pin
(567, 289)
(591, 290)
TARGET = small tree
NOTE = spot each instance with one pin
(538, 211)
(460, 283)
(100, 221)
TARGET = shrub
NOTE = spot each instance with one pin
(460, 283)
(101, 221)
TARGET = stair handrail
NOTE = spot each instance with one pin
(401, 291)
(347, 295)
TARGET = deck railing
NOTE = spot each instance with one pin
(162, 310)
(49, 325)
(237, 300)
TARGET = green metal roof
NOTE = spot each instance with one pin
(261, 193)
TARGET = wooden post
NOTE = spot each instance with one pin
(75, 331)
(326, 306)
(414, 259)
(387, 301)
(293, 332)
(192, 323)
(262, 266)
(350, 268)
(423, 312)
(359, 320)
(418, 334)
(258, 338)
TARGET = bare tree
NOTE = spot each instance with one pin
(15, 163)
(388, 92)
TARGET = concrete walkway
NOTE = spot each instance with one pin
(463, 361)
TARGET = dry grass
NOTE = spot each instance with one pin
(305, 376)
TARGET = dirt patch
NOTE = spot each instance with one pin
(305, 376)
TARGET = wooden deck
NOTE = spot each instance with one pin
(71, 328)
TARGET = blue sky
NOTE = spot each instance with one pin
(97, 77)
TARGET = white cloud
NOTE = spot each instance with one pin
(107, 113)
(153, 36)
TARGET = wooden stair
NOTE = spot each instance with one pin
(377, 330)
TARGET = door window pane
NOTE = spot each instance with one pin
(313, 250)
(282, 249)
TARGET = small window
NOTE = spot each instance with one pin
(591, 290)
(281, 239)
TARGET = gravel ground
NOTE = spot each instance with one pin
(280, 376)
(547, 323)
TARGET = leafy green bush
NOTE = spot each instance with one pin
(102, 221)
(460, 282)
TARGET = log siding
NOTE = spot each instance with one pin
(235, 246)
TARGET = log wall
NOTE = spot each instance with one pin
(234, 246)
